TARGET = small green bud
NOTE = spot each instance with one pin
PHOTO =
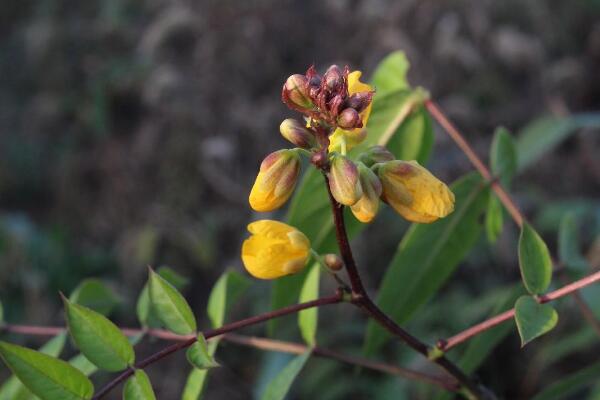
(374, 155)
(333, 262)
(344, 180)
(295, 132)
(296, 92)
(349, 119)
(359, 101)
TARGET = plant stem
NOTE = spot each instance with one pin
(447, 344)
(216, 332)
(362, 300)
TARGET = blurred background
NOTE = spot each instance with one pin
(131, 132)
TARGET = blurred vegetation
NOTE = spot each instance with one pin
(131, 131)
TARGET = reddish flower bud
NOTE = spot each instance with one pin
(294, 131)
(359, 101)
(349, 119)
(334, 78)
(296, 92)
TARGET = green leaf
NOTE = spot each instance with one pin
(280, 385)
(87, 367)
(93, 293)
(534, 261)
(197, 377)
(145, 313)
(101, 341)
(568, 243)
(47, 377)
(570, 384)
(13, 389)
(427, 256)
(503, 156)
(307, 319)
(545, 133)
(199, 356)
(170, 306)
(494, 219)
(225, 292)
(390, 74)
(398, 120)
(138, 387)
(533, 319)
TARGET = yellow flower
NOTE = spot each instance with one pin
(414, 192)
(274, 249)
(353, 137)
(275, 181)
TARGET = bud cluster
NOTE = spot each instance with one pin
(326, 98)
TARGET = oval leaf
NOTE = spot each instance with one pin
(47, 377)
(170, 306)
(224, 293)
(503, 156)
(494, 219)
(138, 387)
(390, 74)
(533, 319)
(534, 261)
(98, 338)
(280, 385)
(199, 355)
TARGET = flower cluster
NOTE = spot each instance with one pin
(336, 108)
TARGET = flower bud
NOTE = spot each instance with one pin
(275, 181)
(349, 119)
(375, 154)
(295, 132)
(333, 262)
(414, 192)
(274, 250)
(359, 101)
(367, 207)
(344, 180)
(296, 92)
(334, 78)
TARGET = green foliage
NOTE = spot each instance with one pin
(13, 389)
(308, 319)
(503, 156)
(199, 355)
(170, 306)
(98, 338)
(494, 219)
(47, 377)
(543, 134)
(226, 291)
(571, 383)
(534, 261)
(145, 313)
(568, 244)
(94, 294)
(427, 256)
(390, 74)
(138, 387)
(280, 385)
(533, 319)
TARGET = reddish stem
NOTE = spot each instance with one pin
(447, 344)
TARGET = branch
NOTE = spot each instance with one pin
(296, 348)
(361, 299)
(217, 332)
(502, 194)
(447, 344)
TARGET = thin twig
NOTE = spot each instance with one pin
(296, 348)
(447, 344)
(217, 332)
